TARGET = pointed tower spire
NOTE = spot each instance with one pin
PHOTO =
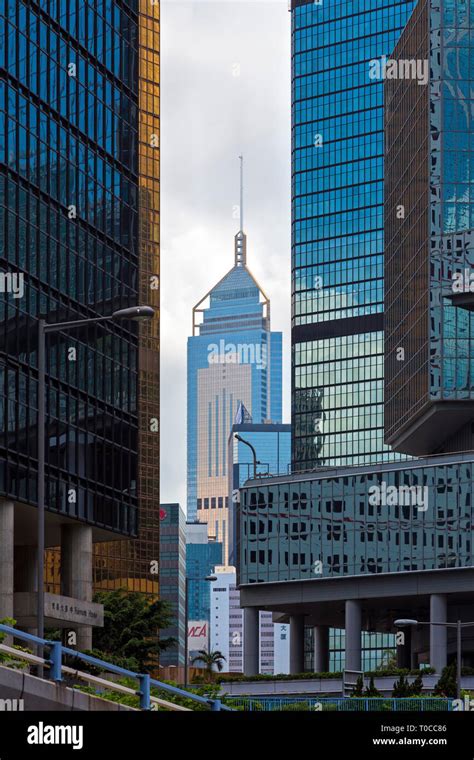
(241, 193)
(241, 238)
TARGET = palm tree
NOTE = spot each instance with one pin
(210, 659)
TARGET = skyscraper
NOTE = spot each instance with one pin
(227, 631)
(233, 358)
(173, 579)
(134, 564)
(374, 544)
(202, 556)
(430, 243)
(337, 229)
(79, 239)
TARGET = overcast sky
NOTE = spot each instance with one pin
(225, 90)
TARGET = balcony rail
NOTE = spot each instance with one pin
(145, 682)
(342, 704)
(452, 457)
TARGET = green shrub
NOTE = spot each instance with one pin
(401, 688)
(447, 684)
(6, 621)
(371, 691)
(8, 659)
(296, 707)
(236, 678)
(358, 689)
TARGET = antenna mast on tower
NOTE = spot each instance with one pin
(240, 238)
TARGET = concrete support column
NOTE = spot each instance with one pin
(7, 514)
(353, 635)
(251, 641)
(26, 568)
(26, 573)
(438, 633)
(297, 644)
(76, 571)
(321, 649)
(404, 650)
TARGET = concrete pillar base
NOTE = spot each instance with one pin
(76, 572)
(297, 644)
(438, 633)
(251, 641)
(84, 638)
(404, 655)
(321, 649)
(7, 519)
(26, 573)
(353, 635)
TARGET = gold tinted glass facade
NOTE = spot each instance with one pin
(134, 564)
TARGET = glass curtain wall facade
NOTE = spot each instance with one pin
(430, 253)
(173, 579)
(337, 229)
(70, 248)
(378, 649)
(201, 559)
(272, 444)
(359, 522)
(69, 221)
(233, 359)
(133, 565)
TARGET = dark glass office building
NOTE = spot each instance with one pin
(202, 556)
(430, 243)
(173, 579)
(362, 546)
(79, 239)
(359, 521)
(337, 228)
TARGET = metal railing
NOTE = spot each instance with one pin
(453, 457)
(145, 682)
(336, 704)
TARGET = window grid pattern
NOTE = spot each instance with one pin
(68, 224)
(334, 526)
(337, 217)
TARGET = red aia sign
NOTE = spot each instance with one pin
(197, 631)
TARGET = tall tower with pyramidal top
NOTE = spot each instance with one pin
(233, 359)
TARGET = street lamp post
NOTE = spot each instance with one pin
(254, 453)
(210, 579)
(459, 625)
(132, 313)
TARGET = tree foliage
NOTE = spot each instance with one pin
(371, 690)
(447, 684)
(131, 629)
(402, 687)
(358, 690)
(211, 661)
